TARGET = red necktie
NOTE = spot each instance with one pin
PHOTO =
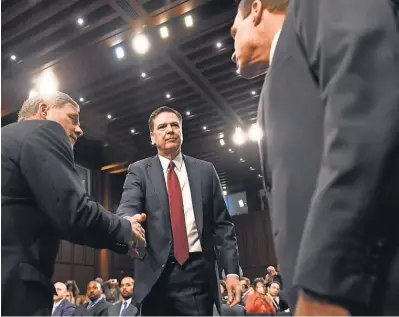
(180, 242)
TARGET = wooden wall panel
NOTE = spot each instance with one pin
(62, 272)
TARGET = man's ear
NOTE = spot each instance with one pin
(256, 12)
(152, 138)
(43, 111)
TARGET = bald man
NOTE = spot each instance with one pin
(62, 307)
(97, 306)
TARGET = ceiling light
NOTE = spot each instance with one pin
(253, 92)
(81, 99)
(224, 193)
(230, 150)
(141, 44)
(237, 71)
(204, 127)
(241, 203)
(188, 113)
(120, 52)
(259, 176)
(109, 116)
(251, 168)
(242, 160)
(13, 57)
(133, 131)
(255, 133)
(80, 21)
(188, 20)
(222, 142)
(239, 137)
(48, 83)
(144, 75)
(32, 93)
(218, 45)
(168, 96)
(164, 32)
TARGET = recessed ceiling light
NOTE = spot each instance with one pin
(188, 113)
(218, 45)
(168, 96)
(188, 20)
(230, 150)
(133, 131)
(141, 44)
(80, 21)
(164, 32)
(144, 75)
(109, 116)
(81, 99)
(253, 92)
(13, 57)
(224, 193)
(222, 142)
(120, 52)
(204, 127)
(251, 168)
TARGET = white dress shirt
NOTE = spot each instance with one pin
(55, 305)
(274, 44)
(194, 244)
(127, 304)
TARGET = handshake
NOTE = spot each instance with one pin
(138, 232)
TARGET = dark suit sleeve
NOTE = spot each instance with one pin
(69, 310)
(132, 201)
(224, 232)
(353, 50)
(47, 164)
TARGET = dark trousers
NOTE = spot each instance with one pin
(181, 290)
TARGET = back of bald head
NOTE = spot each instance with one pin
(60, 285)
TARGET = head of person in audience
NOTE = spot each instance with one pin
(69, 296)
(271, 271)
(245, 284)
(260, 286)
(94, 290)
(112, 283)
(56, 106)
(255, 26)
(61, 290)
(127, 287)
(274, 289)
(166, 131)
(81, 299)
(278, 268)
(223, 289)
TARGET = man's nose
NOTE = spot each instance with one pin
(78, 131)
(169, 128)
(234, 58)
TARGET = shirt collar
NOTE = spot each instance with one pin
(274, 44)
(178, 160)
(128, 301)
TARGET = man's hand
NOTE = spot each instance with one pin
(310, 306)
(233, 290)
(138, 232)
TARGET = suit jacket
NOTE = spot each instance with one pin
(145, 191)
(65, 308)
(42, 202)
(99, 309)
(115, 309)
(331, 150)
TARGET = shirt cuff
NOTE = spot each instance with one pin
(232, 275)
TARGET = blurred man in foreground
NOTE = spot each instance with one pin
(43, 201)
(330, 111)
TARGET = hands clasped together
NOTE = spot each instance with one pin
(138, 232)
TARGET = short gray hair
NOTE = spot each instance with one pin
(56, 99)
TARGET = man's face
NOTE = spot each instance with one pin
(127, 286)
(167, 133)
(274, 289)
(61, 292)
(68, 117)
(251, 45)
(94, 291)
(244, 286)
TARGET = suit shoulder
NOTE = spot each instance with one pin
(198, 161)
(141, 163)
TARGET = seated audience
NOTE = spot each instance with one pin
(273, 276)
(257, 301)
(62, 306)
(274, 292)
(125, 308)
(245, 289)
(97, 306)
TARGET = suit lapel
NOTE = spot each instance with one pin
(155, 173)
(59, 307)
(194, 179)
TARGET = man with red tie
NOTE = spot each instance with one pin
(176, 272)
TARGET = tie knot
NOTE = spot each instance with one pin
(171, 165)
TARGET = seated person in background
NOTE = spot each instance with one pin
(97, 306)
(125, 307)
(223, 291)
(72, 287)
(245, 289)
(81, 299)
(112, 292)
(273, 276)
(62, 306)
(274, 292)
(257, 300)
(69, 296)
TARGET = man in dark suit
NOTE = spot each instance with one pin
(187, 218)
(43, 201)
(97, 306)
(329, 107)
(62, 306)
(125, 308)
